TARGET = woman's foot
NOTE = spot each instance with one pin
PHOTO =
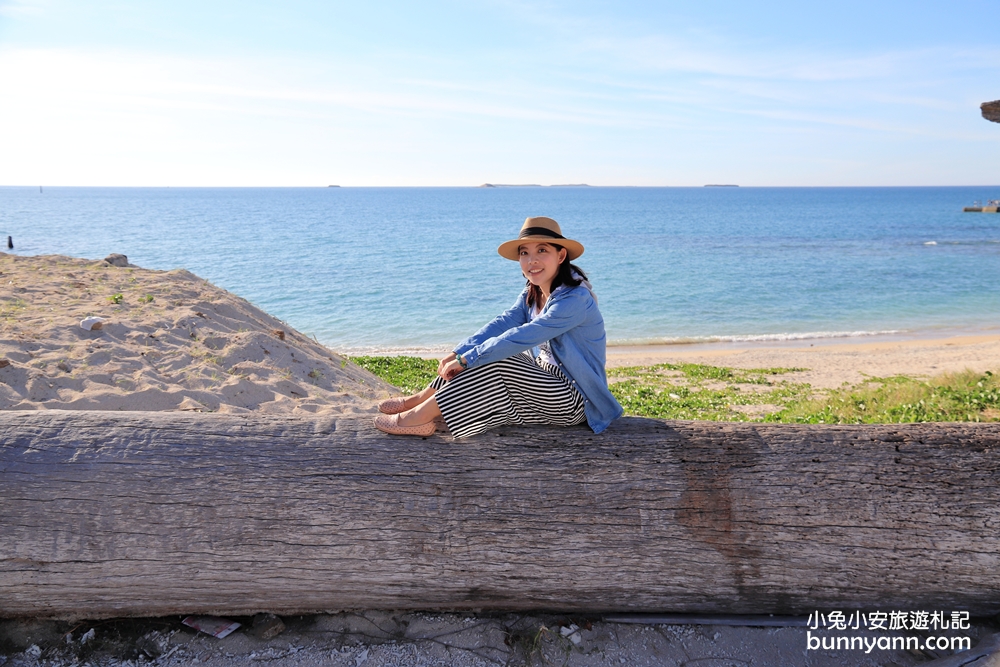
(390, 424)
(393, 406)
(397, 404)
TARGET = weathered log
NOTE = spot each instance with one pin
(111, 514)
(991, 110)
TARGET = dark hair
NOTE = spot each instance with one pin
(564, 277)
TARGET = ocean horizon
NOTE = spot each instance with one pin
(387, 270)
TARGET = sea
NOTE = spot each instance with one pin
(415, 270)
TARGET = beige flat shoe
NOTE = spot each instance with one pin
(392, 406)
(390, 424)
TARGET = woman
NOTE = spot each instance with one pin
(540, 362)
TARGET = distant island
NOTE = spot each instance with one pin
(721, 185)
(333, 186)
(991, 110)
(533, 185)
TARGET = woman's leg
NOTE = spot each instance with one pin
(397, 404)
(427, 411)
(416, 399)
(480, 398)
(511, 391)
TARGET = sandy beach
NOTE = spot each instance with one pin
(833, 362)
(172, 341)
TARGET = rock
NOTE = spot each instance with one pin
(571, 632)
(267, 626)
(279, 333)
(147, 645)
(62, 365)
(92, 323)
(4, 363)
(991, 110)
(114, 259)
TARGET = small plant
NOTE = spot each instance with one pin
(315, 375)
(116, 298)
(528, 643)
(146, 298)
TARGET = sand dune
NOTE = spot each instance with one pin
(171, 341)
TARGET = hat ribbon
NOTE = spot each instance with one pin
(539, 231)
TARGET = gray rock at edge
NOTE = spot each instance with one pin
(114, 259)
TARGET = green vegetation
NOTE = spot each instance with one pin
(411, 374)
(116, 298)
(146, 298)
(716, 393)
(965, 396)
(695, 391)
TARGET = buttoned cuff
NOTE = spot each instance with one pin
(470, 357)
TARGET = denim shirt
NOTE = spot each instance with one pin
(574, 328)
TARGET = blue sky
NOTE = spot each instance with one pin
(458, 93)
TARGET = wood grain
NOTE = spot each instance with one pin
(115, 514)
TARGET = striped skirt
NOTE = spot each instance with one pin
(515, 390)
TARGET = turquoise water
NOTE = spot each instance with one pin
(416, 268)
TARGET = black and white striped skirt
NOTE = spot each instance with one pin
(515, 390)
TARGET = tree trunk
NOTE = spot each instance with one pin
(141, 514)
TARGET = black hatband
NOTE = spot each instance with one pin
(540, 231)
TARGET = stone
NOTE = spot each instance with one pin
(115, 259)
(267, 626)
(92, 323)
(991, 110)
(148, 646)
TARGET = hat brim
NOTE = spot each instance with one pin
(509, 251)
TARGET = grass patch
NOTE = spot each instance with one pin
(697, 391)
(718, 393)
(410, 374)
(950, 397)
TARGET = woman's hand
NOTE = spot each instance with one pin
(444, 362)
(451, 369)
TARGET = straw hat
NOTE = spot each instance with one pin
(540, 230)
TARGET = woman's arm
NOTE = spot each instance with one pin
(561, 315)
(514, 316)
